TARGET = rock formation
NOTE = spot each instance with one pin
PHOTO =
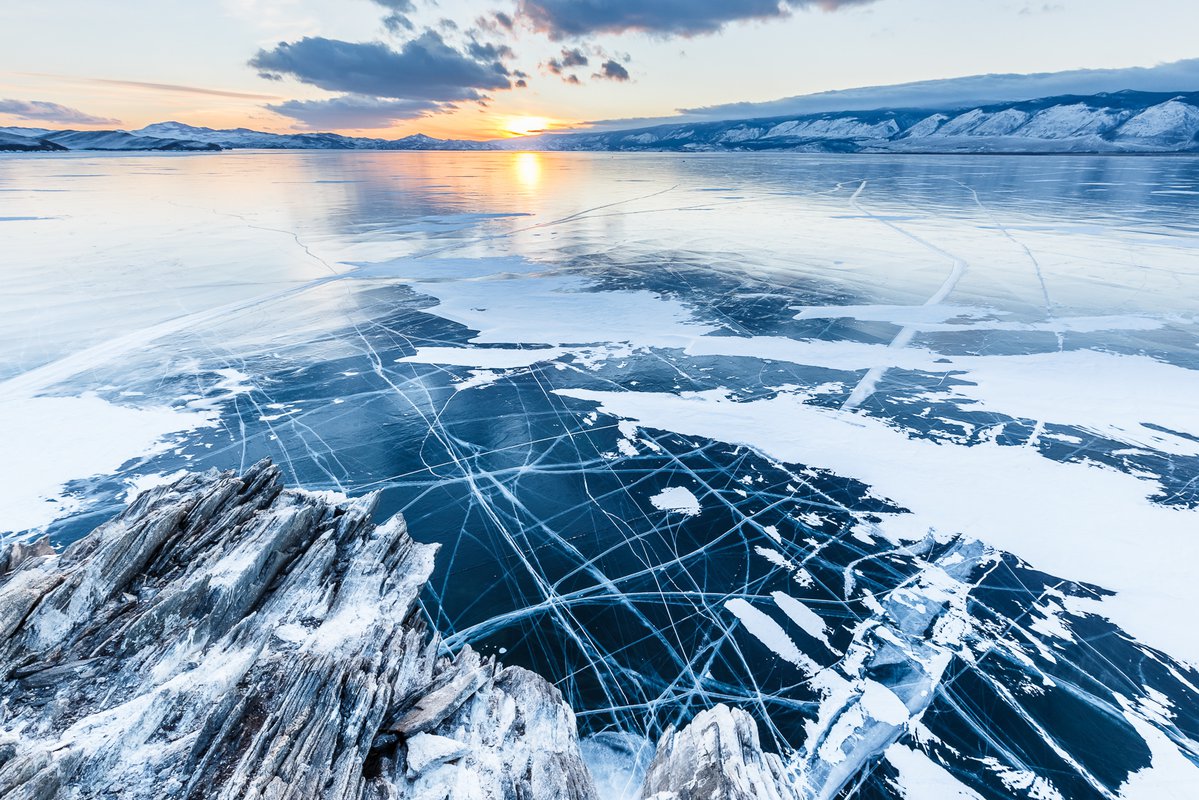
(718, 755)
(226, 638)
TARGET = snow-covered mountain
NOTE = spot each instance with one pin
(12, 141)
(43, 139)
(237, 138)
(1104, 123)
(244, 138)
(1122, 122)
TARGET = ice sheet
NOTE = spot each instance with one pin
(681, 446)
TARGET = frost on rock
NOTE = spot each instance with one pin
(224, 637)
(717, 757)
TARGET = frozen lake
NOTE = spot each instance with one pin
(912, 441)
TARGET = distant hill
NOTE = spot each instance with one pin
(42, 139)
(1124, 122)
(1121, 122)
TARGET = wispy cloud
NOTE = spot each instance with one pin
(155, 87)
(397, 19)
(355, 112)
(43, 111)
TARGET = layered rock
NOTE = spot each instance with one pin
(718, 755)
(226, 638)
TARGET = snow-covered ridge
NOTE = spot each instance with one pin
(1105, 123)
(1121, 122)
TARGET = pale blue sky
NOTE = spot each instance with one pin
(66, 52)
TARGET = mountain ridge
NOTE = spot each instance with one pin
(1116, 122)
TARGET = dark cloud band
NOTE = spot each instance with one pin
(423, 68)
(563, 19)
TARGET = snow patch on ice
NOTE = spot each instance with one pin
(1064, 508)
(679, 499)
(52, 441)
(763, 628)
(920, 777)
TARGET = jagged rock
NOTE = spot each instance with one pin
(718, 756)
(226, 638)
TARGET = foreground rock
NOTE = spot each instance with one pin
(226, 638)
(717, 756)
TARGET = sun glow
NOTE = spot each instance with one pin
(525, 126)
(527, 167)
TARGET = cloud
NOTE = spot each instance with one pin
(485, 51)
(1178, 76)
(569, 59)
(563, 19)
(397, 21)
(157, 87)
(51, 112)
(174, 87)
(613, 71)
(423, 68)
(355, 112)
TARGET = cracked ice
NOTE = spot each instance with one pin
(900, 455)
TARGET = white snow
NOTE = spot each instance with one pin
(763, 628)
(939, 313)
(834, 128)
(1001, 123)
(141, 483)
(51, 441)
(921, 778)
(968, 318)
(1064, 122)
(484, 357)
(1170, 776)
(561, 311)
(1076, 520)
(740, 134)
(882, 704)
(679, 499)
(429, 750)
(1109, 394)
(1173, 119)
(926, 126)
(802, 616)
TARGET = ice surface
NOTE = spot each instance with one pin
(808, 436)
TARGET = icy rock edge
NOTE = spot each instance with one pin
(226, 638)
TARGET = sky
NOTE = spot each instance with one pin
(483, 70)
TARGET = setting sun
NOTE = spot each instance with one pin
(524, 126)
